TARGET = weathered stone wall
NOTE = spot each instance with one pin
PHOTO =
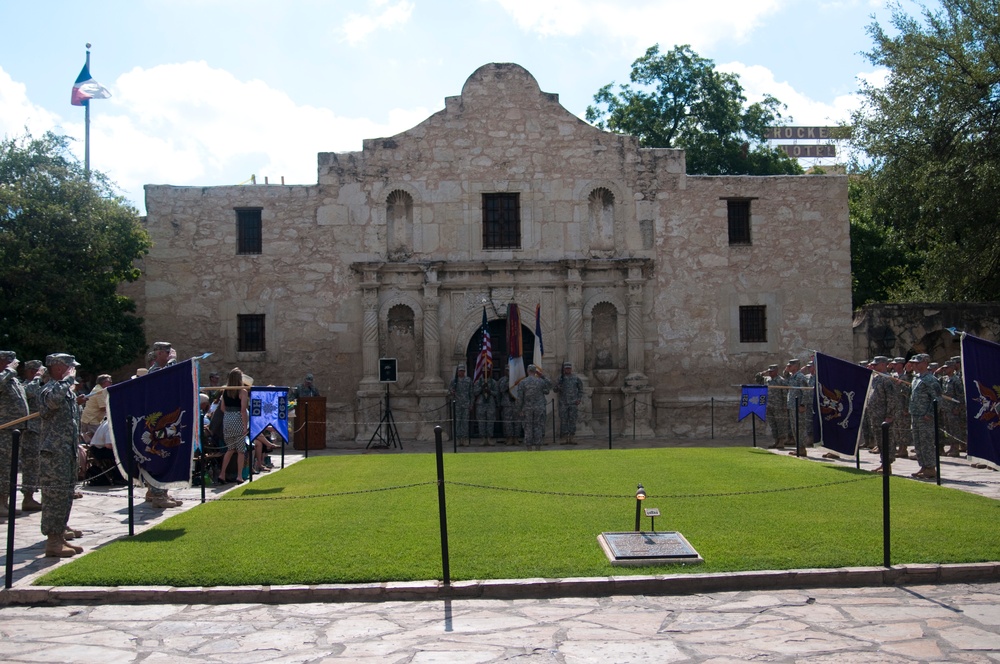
(628, 258)
(902, 330)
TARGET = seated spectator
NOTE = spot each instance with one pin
(102, 470)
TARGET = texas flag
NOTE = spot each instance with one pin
(86, 88)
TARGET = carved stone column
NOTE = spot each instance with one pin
(574, 318)
(432, 333)
(369, 330)
(636, 338)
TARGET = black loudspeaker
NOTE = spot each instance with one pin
(387, 370)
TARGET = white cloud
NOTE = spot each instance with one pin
(191, 124)
(758, 81)
(17, 113)
(357, 27)
(640, 23)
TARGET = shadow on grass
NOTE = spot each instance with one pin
(250, 491)
(159, 535)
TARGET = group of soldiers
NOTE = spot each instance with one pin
(902, 394)
(48, 450)
(489, 402)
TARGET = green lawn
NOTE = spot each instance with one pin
(320, 521)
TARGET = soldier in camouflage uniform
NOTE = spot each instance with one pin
(508, 410)
(484, 392)
(882, 405)
(461, 393)
(953, 406)
(570, 391)
(869, 435)
(29, 439)
(899, 432)
(777, 415)
(13, 406)
(796, 396)
(59, 436)
(809, 394)
(923, 391)
(531, 393)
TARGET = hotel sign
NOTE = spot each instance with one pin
(807, 133)
(805, 151)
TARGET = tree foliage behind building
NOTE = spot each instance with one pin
(931, 136)
(679, 100)
(66, 243)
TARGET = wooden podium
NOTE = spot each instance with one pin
(315, 407)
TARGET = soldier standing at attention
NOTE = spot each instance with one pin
(531, 393)
(924, 389)
(13, 406)
(882, 405)
(461, 393)
(484, 392)
(58, 467)
(570, 391)
(508, 409)
(776, 413)
(902, 432)
(954, 407)
(29, 439)
(796, 403)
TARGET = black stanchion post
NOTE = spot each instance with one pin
(201, 466)
(442, 509)
(283, 443)
(937, 450)
(798, 445)
(305, 426)
(609, 424)
(712, 414)
(753, 425)
(454, 426)
(633, 417)
(886, 472)
(15, 446)
(131, 489)
(553, 422)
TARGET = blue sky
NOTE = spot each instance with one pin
(208, 92)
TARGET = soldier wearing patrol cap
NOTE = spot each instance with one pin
(953, 407)
(57, 448)
(570, 391)
(924, 389)
(777, 414)
(13, 406)
(796, 403)
(531, 393)
(34, 374)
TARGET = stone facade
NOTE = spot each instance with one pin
(903, 330)
(629, 259)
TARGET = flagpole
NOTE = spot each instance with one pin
(86, 128)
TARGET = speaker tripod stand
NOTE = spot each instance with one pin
(391, 437)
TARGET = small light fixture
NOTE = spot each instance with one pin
(640, 495)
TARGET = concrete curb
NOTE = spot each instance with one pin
(666, 584)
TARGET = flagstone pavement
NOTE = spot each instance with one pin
(911, 621)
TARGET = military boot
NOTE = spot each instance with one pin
(76, 549)
(55, 547)
(29, 504)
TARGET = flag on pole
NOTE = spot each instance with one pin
(156, 419)
(484, 363)
(753, 401)
(269, 407)
(515, 363)
(981, 372)
(539, 348)
(86, 88)
(841, 388)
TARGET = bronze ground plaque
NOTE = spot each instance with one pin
(642, 548)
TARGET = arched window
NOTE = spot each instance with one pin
(601, 214)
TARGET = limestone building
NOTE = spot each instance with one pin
(665, 290)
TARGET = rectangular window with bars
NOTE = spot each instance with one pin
(251, 333)
(502, 221)
(248, 231)
(753, 324)
(739, 221)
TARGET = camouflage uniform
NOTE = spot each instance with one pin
(508, 411)
(776, 412)
(461, 392)
(30, 439)
(570, 391)
(809, 394)
(924, 390)
(13, 405)
(797, 381)
(531, 393)
(883, 404)
(899, 432)
(59, 435)
(484, 391)
(953, 421)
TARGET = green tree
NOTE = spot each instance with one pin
(681, 101)
(66, 243)
(931, 136)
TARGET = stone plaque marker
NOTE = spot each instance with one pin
(642, 548)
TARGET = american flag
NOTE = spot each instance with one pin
(484, 363)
